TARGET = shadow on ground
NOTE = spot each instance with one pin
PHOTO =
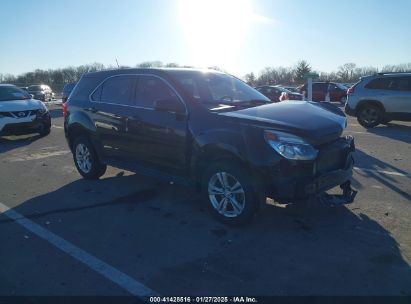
(374, 167)
(393, 131)
(8, 143)
(162, 236)
(56, 113)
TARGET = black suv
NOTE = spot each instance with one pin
(210, 130)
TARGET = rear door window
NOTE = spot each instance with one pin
(380, 84)
(403, 83)
(117, 90)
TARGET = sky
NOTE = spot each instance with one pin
(240, 36)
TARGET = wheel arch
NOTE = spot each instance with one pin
(214, 153)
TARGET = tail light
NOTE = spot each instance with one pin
(352, 88)
(65, 109)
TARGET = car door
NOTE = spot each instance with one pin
(319, 91)
(157, 139)
(397, 94)
(110, 105)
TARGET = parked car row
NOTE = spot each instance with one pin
(375, 99)
(274, 93)
(337, 92)
(235, 144)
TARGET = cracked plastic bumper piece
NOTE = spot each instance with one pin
(347, 196)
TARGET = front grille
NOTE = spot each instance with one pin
(18, 114)
(21, 114)
(6, 114)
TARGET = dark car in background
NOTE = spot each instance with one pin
(66, 91)
(210, 130)
(289, 88)
(274, 93)
(337, 91)
(41, 92)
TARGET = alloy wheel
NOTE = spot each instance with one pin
(226, 194)
(83, 158)
(369, 115)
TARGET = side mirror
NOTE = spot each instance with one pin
(32, 96)
(173, 105)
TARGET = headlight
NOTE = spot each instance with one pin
(42, 111)
(290, 146)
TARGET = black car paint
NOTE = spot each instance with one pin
(181, 145)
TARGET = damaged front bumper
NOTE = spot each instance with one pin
(295, 188)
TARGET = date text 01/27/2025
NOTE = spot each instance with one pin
(203, 300)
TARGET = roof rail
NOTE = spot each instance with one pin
(385, 73)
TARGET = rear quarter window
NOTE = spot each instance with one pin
(386, 83)
(84, 88)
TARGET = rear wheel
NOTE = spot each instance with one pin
(385, 121)
(86, 160)
(230, 193)
(369, 116)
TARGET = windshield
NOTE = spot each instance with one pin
(12, 93)
(35, 88)
(214, 89)
(342, 86)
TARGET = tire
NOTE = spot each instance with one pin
(44, 131)
(369, 115)
(230, 193)
(343, 100)
(86, 160)
(385, 121)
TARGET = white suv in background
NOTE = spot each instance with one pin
(20, 114)
(380, 98)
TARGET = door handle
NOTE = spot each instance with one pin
(91, 109)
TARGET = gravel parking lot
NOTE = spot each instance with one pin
(128, 234)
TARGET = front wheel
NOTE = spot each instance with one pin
(44, 130)
(369, 116)
(86, 160)
(230, 193)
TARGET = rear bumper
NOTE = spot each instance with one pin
(349, 111)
